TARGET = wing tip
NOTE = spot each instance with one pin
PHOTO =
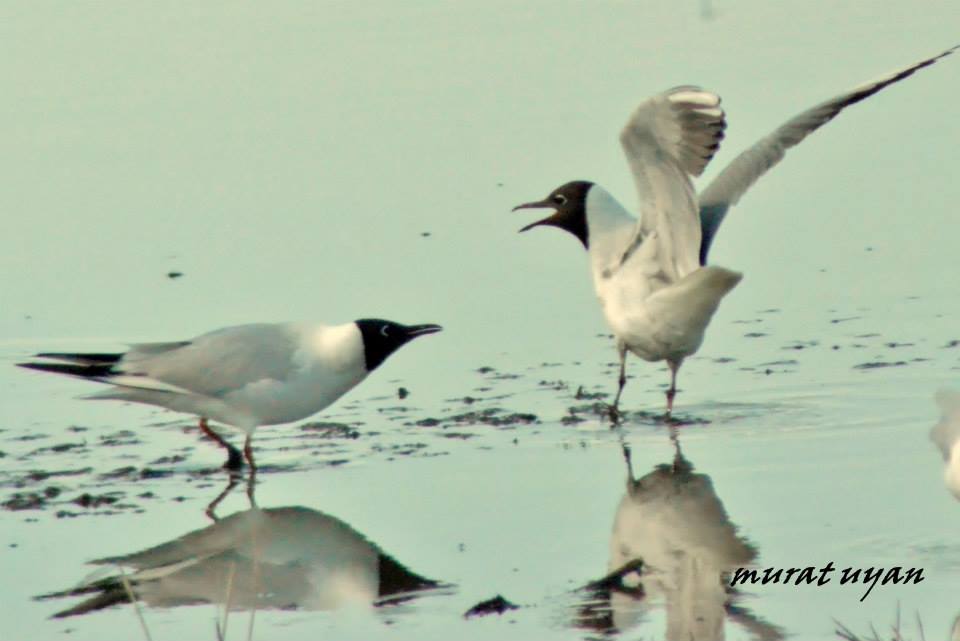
(693, 96)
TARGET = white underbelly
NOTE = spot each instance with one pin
(654, 338)
(652, 332)
(273, 402)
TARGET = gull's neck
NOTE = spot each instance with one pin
(609, 226)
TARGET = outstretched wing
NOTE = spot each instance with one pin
(667, 140)
(727, 188)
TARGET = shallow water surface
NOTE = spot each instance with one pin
(173, 170)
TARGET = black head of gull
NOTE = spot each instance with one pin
(569, 202)
(382, 338)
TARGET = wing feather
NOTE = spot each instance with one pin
(667, 140)
(730, 185)
(216, 363)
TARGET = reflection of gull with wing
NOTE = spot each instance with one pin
(284, 557)
(673, 542)
(946, 434)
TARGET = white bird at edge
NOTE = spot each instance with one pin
(657, 292)
(244, 376)
(946, 435)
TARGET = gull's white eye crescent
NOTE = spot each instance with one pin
(383, 331)
(560, 199)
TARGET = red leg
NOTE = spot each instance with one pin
(234, 460)
(248, 453)
(672, 392)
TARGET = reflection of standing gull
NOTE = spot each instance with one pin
(673, 541)
(286, 557)
(946, 434)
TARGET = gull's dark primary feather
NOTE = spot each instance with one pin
(94, 371)
(730, 185)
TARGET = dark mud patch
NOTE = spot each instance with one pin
(30, 437)
(584, 395)
(495, 375)
(330, 430)
(553, 385)
(123, 437)
(106, 503)
(30, 500)
(88, 500)
(407, 450)
(35, 476)
(57, 449)
(125, 472)
(880, 364)
(491, 416)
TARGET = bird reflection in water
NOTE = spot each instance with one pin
(672, 543)
(260, 558)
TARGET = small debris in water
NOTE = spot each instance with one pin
(402, 393)
(583, 395)
(331, 430)
(24, 501)
(120, 472)
(174, 275)
(169, 460)
(496, 605)
(89, 500)
(151, 473)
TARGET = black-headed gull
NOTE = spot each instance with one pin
(651, 276)
(244, 376)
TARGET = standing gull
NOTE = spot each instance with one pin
(244, 376)
(657, 292)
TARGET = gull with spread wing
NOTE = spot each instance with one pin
(657, 292)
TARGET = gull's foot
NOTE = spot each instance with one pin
(615, 415)
(234, 459)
